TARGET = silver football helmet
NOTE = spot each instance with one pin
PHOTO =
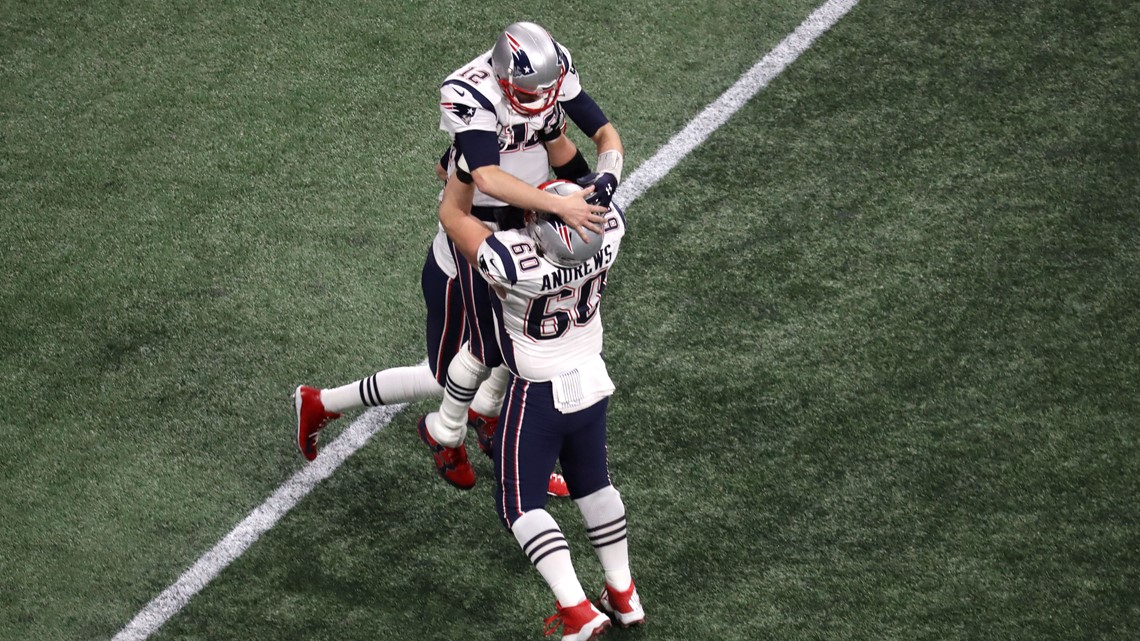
(556, 241)
(529, 67)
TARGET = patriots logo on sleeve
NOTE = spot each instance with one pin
(522, 64)
(459, 110)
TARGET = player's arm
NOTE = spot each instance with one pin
(581, 108)
(607, 140)
(561, 152)
(479, 158)
(567, 162)
(588, 117)
(444, 161)
(465, 230)
(493, 181)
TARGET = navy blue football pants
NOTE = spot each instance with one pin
(446, 324)
(481, 328)
(455, 307)
(532, 436)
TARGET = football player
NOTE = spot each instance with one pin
(446, 333)
(504, 111)
(548, 283)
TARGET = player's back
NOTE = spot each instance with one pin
(549, 316)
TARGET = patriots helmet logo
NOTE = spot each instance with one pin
(461, 111)
(566, 235)
(521, 61)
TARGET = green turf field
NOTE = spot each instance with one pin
(876, 343)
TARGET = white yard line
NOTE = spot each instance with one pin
(716, 114)
(265, 516)
(234, 544)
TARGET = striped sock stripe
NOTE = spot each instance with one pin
(535, 539)
(560, 548)
(619, 521)
(370, 392)
(602, 542)
(460, 393)
(544, 544)
(608, 533)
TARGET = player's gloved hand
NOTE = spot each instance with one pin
(604, 184)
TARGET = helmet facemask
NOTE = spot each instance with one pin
(531, 102)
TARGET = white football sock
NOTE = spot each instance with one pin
(463, 378)
(543, 543)
(604, 513)
(386, 387)
(489, 399)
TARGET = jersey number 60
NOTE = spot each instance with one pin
(549, 316)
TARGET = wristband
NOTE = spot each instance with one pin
(610, 162)
(573, 170)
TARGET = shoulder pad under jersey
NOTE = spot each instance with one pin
(506, 256)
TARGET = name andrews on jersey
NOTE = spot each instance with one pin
(564, 275)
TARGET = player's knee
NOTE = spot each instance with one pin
(510, 516)
(507, 517)
(605, 496)
(585, 480)
(469, 367)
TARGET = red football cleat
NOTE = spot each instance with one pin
(451, 462)
(623, 607)
(582, 622)
(311, 418)
(484, 427)
(556, 486)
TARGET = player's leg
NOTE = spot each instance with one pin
(483, 415)
(587, 474)
(446, 442)
(463, 377)
(390, 386)
(483, 419)
(446, 323)
(525, 450)
(445, 327)
(446, 330)
(471, 366)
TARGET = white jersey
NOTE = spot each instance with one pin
(471, 99)
(549, 317)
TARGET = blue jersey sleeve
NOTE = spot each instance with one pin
(585, 113)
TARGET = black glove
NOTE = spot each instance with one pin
(604, 184)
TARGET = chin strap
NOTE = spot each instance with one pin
(610, 162)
